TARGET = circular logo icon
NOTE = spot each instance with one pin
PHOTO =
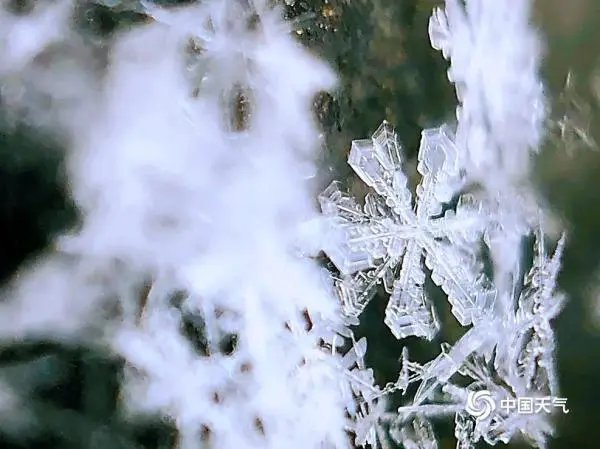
(480, 404)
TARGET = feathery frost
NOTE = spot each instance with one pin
(180, 194)
(191, 158)
(506, 354)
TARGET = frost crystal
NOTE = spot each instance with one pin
(501, 100)
(389, 232)
(507, 350)
(181, 233)
(506, 353)
(571, 123)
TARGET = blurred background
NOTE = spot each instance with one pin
(388, 71)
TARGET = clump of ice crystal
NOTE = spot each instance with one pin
(191, 158)
(506, 355)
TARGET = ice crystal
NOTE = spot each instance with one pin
(172, 193)
(391, 232)
(515, 350)
(570, 124)
(397, 239)
(507, 351)
(174, 200)
(496, 136)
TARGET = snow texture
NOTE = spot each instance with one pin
(390, 230)
(182, 195)
(191, 157)
(494, 133)
(399, 239)
(508, 348)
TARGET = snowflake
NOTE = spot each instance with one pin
(370, 243)
(509, 353)
(532, 344)
(502, 109)
(508, 347)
